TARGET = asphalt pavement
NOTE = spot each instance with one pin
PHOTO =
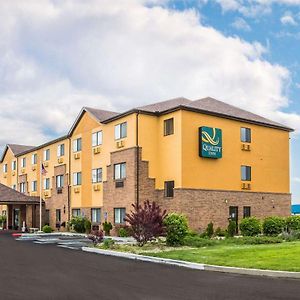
(35, 271)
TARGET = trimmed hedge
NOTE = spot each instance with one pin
(273, 225)
(250, 226)
(47, 229)
(293, 223)
(176, 228)
(198, 242)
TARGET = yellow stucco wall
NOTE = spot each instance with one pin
(176, 157)
(88, 197)
(268, 158)
(9, 178)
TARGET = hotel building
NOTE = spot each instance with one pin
(204, 158)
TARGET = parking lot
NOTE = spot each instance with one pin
(45, 271)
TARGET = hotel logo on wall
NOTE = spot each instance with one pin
(210, 142)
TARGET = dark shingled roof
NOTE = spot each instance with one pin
(17, 149)
(215, 106)
(211, 106)
(165, 105)
(10, 196)
(101, 114)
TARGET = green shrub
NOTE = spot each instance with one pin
(176, 229)
(108, 243)
(107, 227)
(80, 224)
(250, 226)
(256, 240)
(273, 225)
(231, 229)
(293, 223)
(220, 232)
(210, 230)
(47, 229)
(123, 232)
(197, 241)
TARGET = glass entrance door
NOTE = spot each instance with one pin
(16, 218)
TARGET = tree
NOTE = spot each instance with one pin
(146, 222)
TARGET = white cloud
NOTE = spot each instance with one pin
(241, 24)
(57, 56)
(296, 179)
(253, 8)
(288, 19)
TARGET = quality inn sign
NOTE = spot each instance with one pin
(210, 142)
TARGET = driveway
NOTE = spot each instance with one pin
(34, 271)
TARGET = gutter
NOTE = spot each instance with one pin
(137, 161)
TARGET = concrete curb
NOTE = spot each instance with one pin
(195, 266)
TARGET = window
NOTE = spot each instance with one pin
(77, 145)
(34, 159)
(95, 215)
(77, 178)
(245, 135)
(169, 126)
(46, 154)
(59, 181)
(61, 150)
(34, 186)
(58, 216)
(23, 162)
(97, 175)
(246, 173)
(120, 171)
(23, 187)
(5, 168)
(120, 214)
(14, 165)
(14, 187)
(247, 211)
(121, 131)
(46, 183)
(97, 138)
(76, 212)
(169, 189)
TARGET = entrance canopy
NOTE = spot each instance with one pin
(11, 196)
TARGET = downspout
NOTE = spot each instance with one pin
(137, 161)
(69, 180)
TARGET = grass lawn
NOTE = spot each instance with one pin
(285, 256)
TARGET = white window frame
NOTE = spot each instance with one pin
(46, 156)
(96, 215)
(60, 150)
(118, 215)
(97, 138)
(22, 187)
(77, 178)
(120, 171)
(34, 159)
(23, 162)
(46, 184)
(76, 212)
(77, 145)
(14, 165)
(121, 131)
(59, 181)
(97, 175)
(4, 168)
(34, 186)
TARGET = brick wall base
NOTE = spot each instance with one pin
(204, 206)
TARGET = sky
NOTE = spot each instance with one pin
(58, 56)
